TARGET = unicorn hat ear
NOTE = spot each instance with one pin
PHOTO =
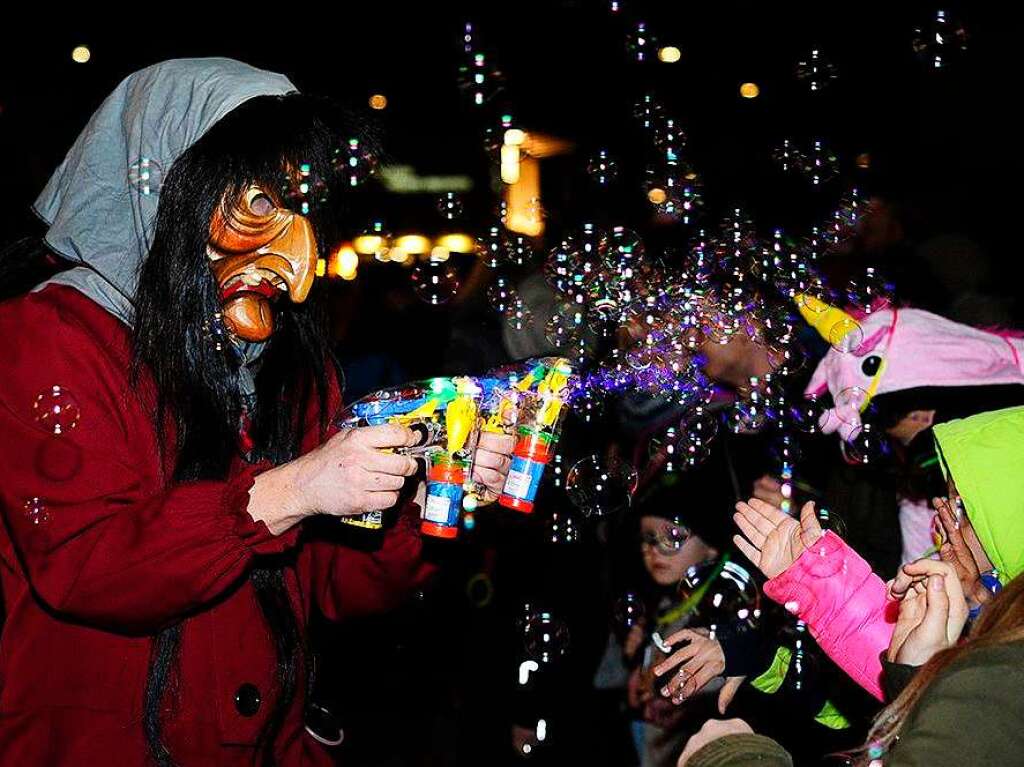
(831, 322)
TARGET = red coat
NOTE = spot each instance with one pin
(111, 551)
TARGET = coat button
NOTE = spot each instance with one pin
(247, 699)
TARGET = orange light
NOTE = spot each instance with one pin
(669, 54)
(657, 196)
(864, 161)
(509, 163)
(378, 101)
(750, 90)
(439, 253)
(81, 54)
(515, 137)
(412, 243)
(457, 243)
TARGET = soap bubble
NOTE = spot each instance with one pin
(493, 247)
(808, 415)
(640, 43)
(696, 435)
(517, 315)
(788, 157)
(435, 282)
(450, 206)
(146, 175)
(816, 71)
(941, 42)
(56, 410)
(602, 168)
(821, 164)
(545, 637)
(354, 162)
(724, 596)
(846, 335)
(867, 444)
(35, 511)
(520, 251)
(870, 292)
(648, 111)
(503, 294)
(849, 404)
(600, 487)
(628, 611)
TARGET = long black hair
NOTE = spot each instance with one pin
(197, 379)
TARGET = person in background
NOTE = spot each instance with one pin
(669, 547)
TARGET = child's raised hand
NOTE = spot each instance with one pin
(774, 540)
(955, 552)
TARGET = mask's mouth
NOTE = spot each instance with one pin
(261, 282)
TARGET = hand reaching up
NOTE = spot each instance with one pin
(774, 540)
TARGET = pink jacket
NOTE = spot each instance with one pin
(846, 607)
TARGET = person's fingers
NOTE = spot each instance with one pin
(749, 551)
(497, 461)
(773, 514)
(377, 481)
(489, 477)
(936, 615)
(754, 534)
(728, 692)
(388, 435)
(496, 443)
(683, 635)
(390, 463)
(768, 482)
(381, 501)
(899, 585)
(924, 567)
(696, 682)
(679, 656)
(810, 528)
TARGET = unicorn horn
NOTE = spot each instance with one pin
(831, 322)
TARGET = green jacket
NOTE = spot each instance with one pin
(972, 715)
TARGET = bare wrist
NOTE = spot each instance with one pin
(275, 499)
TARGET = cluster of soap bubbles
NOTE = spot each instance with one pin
(302, 188)
(477, 78)
(672, 185)
(816, 162)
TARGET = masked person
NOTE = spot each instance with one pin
(166, 414)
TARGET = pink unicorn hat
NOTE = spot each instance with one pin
(896, 349)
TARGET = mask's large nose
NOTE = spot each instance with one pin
(296, 244)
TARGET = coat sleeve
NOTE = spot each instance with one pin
(99, 535)
(968, 715)
(845, 606)
(348, 582)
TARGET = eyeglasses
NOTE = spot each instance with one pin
(667, 541)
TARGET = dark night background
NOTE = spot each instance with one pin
(431, 685)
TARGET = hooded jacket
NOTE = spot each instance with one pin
(100, 549)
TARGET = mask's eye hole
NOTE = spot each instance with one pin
(260, 204)
(871, 365)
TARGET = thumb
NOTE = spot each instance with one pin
(728, 692)
(936, 614)
(810, 528)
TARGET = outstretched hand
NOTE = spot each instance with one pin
(774, 540)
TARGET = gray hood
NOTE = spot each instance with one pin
(101, 202)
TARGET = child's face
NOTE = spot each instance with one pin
(669, 550)
(970, 537)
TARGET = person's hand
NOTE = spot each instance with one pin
(347, 475)
(769, 490)
(774, 540)
(713, 729)
(491, 463)
(955, 551)
(702, 660)
(932, 616)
